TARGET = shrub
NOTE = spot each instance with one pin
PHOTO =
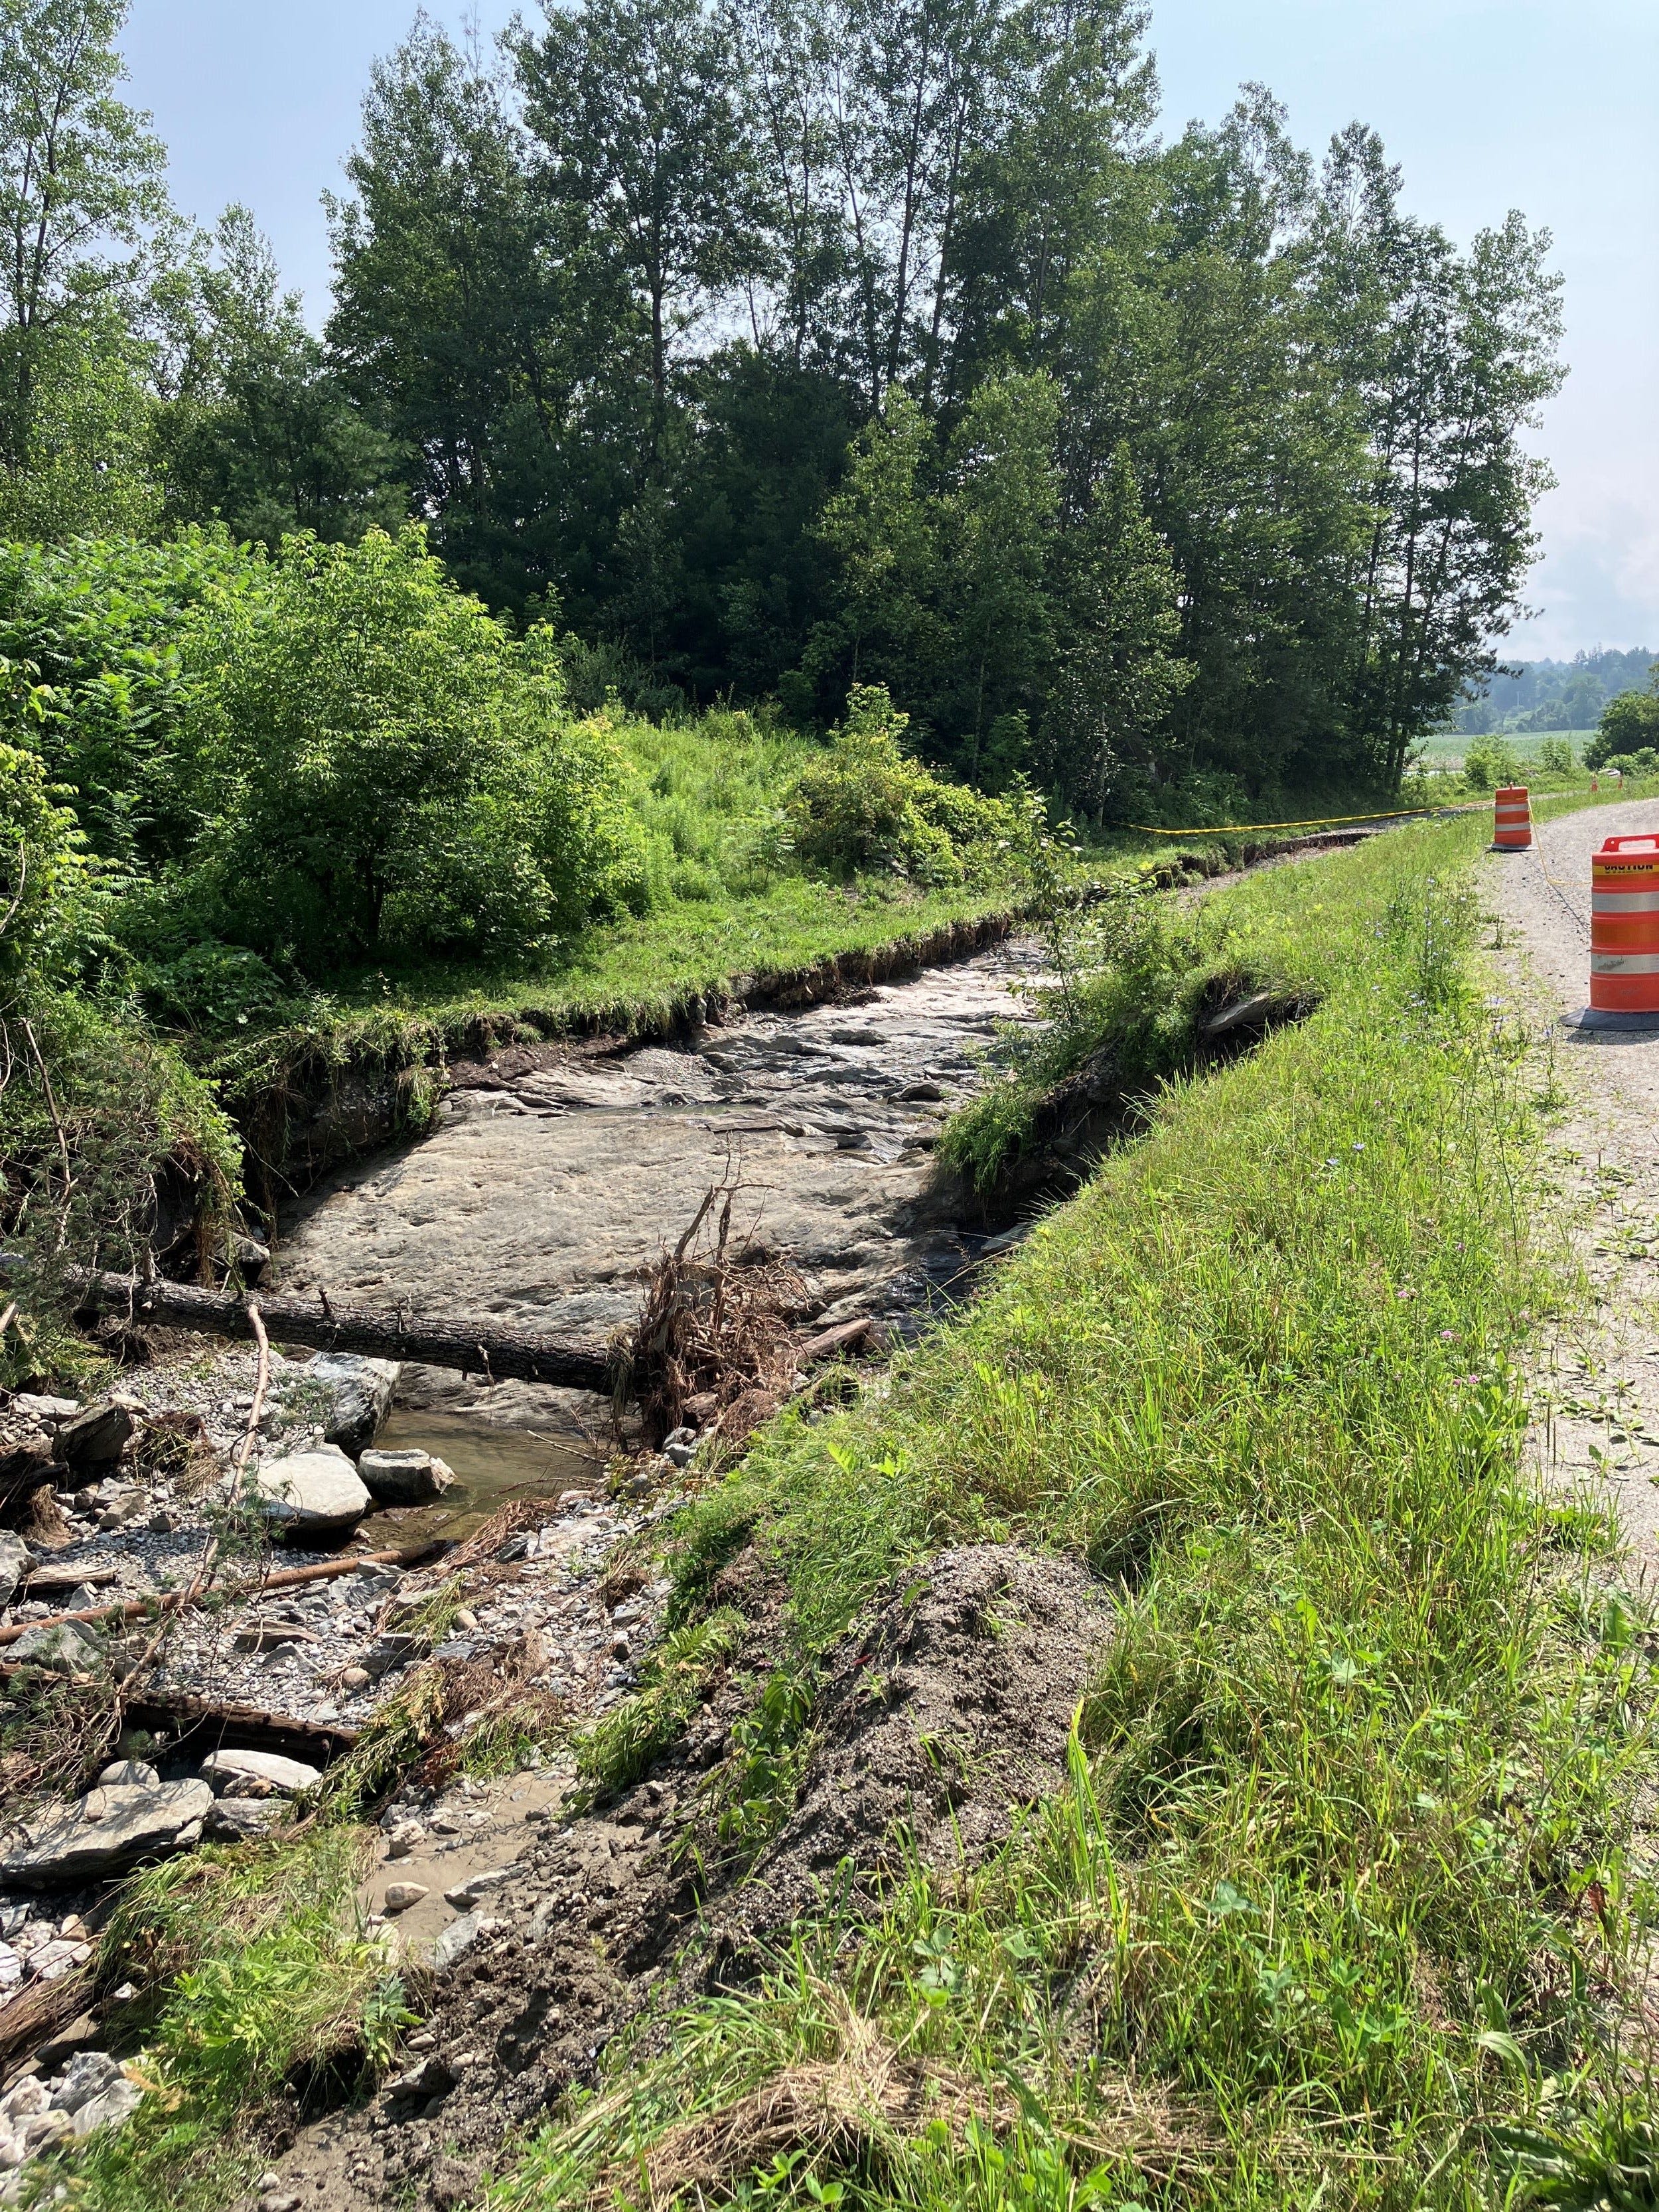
(862, 804)
(1644, 762)
(395, 772)
(1555, 756)
(1628, 723)
(91, 637)
(1490, 761)
(49, 908)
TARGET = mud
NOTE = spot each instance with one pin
(947, 1711)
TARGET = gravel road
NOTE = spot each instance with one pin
(1594, 1379)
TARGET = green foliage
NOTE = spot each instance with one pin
(394, 772)
(863, 805)
(623, 1744)
(81, 175)
(1555, 756)
(255, 1969)
(50, 909)
(262, 434)
(1628, 723)
(1363, 1745)
(1644, 762)
(94, 634)
(1488, 762)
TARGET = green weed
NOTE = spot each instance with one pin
(1338, 1903)
(621, 1746)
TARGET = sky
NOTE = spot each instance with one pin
(1488, 104)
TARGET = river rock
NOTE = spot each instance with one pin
(400, 1895)
(88, 2075)
(460, 1937)
(393, 1650)
(309, 1495)
(104, 1834)
(404, 1477)
(477, 1886)
(113, 2109)
(61, 1647)
(242, 1819)
(130, 1774)
(354, 1394)
(14, 1564)
(258, 1774)
(93, 1439)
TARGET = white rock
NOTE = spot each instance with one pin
(310, 1493)
(113, 2109)
(405, 1478)
(14, 1564)
(104, 1832)
(460, 1937)
(242, 1819)
(43, 2131)
(228, 1770)
(134, 1773)
(88, 2075)
(465, 1894)
(356, 1397)
(24, 2101)
(61, 1649)
(55, 1959)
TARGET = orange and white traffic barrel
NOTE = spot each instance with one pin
(1625, 927)
(1511, 819)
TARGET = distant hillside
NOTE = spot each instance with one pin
(1555, 694)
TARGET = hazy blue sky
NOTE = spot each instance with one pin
(1490, 104)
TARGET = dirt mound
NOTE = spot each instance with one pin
(948, 1708)
(946, 1713)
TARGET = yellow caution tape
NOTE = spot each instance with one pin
(1313, 822)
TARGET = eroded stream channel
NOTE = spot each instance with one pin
(556, 1176)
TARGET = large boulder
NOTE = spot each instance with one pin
(309, 1496)
(96, 1438)
(258, 1774)
(349, 1396)
(243, 1819)
(104, 1834)
(404, 1477)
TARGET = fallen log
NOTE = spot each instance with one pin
(40, 2011)
(146, 1608)
(200, 1724)
(471, 1348)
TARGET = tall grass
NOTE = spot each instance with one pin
(257, 1978)
(1337, 1905)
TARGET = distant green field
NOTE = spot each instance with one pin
(1452, 745)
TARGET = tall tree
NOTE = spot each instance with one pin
(84, 214)
(1451, 356)
(1117, 621)
(637, 109)
(463, 324)
(1000, 522)
(262, 434)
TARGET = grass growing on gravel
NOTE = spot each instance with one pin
(254, 1972)
(1339, 1907)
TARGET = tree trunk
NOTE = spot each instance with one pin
(473, 1349)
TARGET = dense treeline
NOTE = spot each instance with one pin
(1555, 694)
(774, 346)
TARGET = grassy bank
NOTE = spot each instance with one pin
(1336, 1907)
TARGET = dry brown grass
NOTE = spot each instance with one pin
(866, 2104)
